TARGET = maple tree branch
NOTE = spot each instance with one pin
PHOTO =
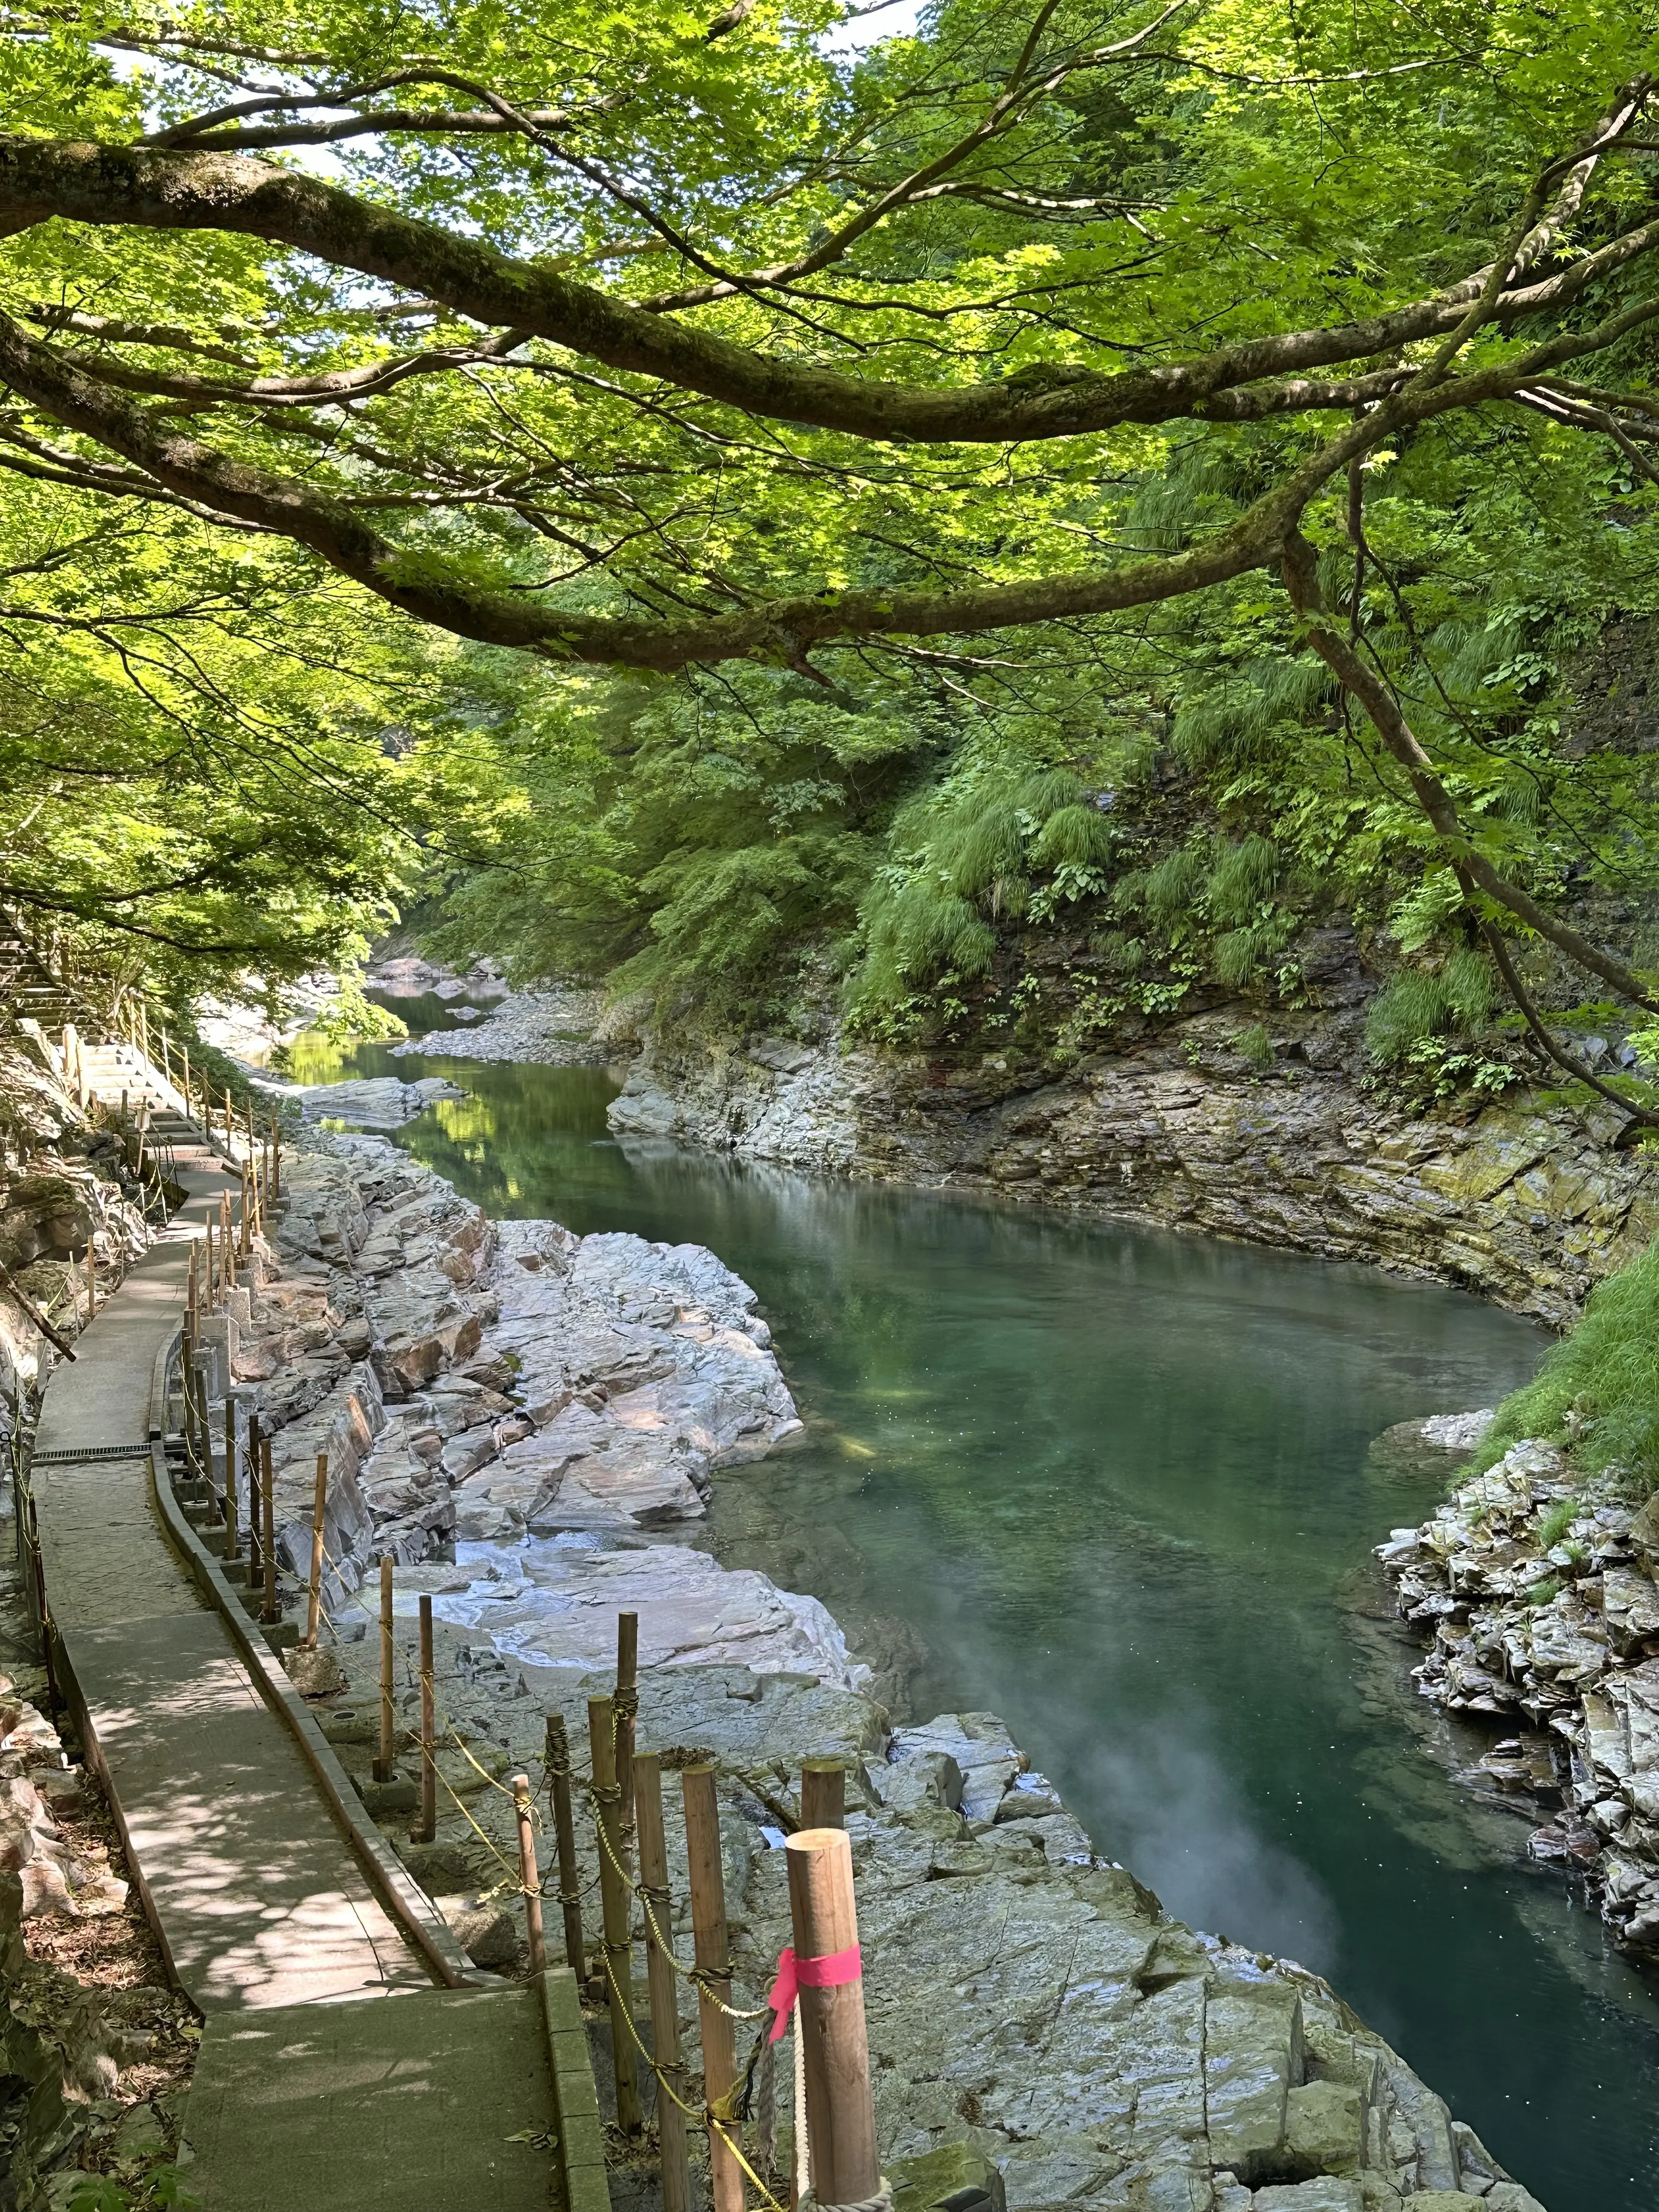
(1300, 566)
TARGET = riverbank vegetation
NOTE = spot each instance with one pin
(1006, 529)
(1597, 1393)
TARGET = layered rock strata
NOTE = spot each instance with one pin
(1527, 1207)
(1537, 1588)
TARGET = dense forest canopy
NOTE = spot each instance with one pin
(710, 497)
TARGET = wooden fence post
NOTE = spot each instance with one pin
(556, 1760)
(823, 1793)
(256, 1542)
(269, 1611)
(231, 1541)
(614, 1898)
(428, 1827)
(529, 1879)
(841, 2116)
(384, 1763)
(628, 1707)
(319, 1507)
(660, 1976)
(712, 1948)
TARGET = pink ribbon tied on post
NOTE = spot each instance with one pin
(794, 1974)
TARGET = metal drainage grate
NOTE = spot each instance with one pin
(86, 1453)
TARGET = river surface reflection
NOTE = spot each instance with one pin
(1117, 1486)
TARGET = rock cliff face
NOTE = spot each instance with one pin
(1535, 1587)
(65, 1186)
(1525, 1204)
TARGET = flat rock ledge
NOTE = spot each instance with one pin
(375, 1102)
(1536, 1588)
(547, 1028)
(523, 1419)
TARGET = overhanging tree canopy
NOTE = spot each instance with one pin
(655, 340)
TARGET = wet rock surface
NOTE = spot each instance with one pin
(523, 1418)
(378, 1102)
(1527, 1206)
(1535, 1587)
(548, 1029)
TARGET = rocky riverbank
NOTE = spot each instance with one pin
(1536, 1588)
(1525, 1205)
(66, 1189)
(545, 1029)
(526, 1420)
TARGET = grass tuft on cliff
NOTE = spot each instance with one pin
(1598, 1390)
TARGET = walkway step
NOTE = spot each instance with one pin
(443, 2100)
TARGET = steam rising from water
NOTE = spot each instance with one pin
(1170, 1810)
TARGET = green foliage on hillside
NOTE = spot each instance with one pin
(333, 579)
(1598, 1390)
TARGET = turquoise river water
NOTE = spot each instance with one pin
(1117, 1486)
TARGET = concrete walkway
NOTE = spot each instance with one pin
(452, 2098)
(255, 1892)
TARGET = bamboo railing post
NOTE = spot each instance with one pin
(712, 1946)
(823, 1793)
(184, 1053)
(383, 1764)
(613, 1893)
(212, 1270)
(841, 2116)
(276, 1158)
(319, 1507)
(427, 1828)
(269, 1611)
(659, 1977)
(247, 1213)
(558, 1761)
(628, 1708)
(230, 1125)
(226, 1240)
(529, 1879)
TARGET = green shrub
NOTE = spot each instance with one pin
(1556, 1522)
(1244, 875)
(1169, 891)
(1606, 1375)
(1255, 1045)
(1417, 1006)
